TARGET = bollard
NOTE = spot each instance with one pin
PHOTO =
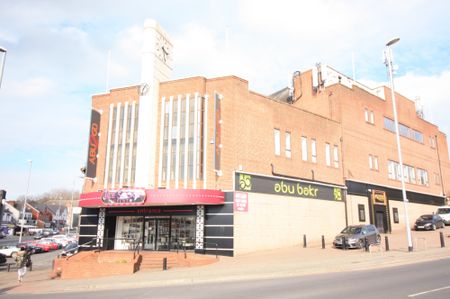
(323, 242)
(165, 263)
(366, 244)
(441, 234)
(304, 241)
(386, 243)
(344, 245)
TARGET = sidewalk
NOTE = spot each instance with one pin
(285, 262)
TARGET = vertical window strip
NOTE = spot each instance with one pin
(161, 141)
(370, 162)
(131, 143)
(276, 136)
(108, 153)
(177, 160)
(186, 141)
(313, 151)
(205, 141)
(336, 156)
(288, 145)
(195, 149)
(133, 164)
(169, 142)
(198, 166)
(304, 148)
(327, 154)
(124, 135)
(173, 140)
(116, 145)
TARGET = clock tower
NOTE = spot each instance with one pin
(156, 67)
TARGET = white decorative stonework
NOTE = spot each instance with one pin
(199, 229)
(101, 227)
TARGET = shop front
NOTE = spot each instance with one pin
(158, 220)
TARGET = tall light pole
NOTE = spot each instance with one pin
(25, 202)
(389, 62)
(2, 64)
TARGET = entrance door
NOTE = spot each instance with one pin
(379, 221)
(157, 233)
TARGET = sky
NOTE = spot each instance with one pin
(58, 55)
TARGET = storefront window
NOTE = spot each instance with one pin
(183, 232)
(128, 231)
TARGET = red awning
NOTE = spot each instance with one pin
(153, 197)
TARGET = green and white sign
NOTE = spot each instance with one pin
(287, 187)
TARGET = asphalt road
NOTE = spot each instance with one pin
(422, 281)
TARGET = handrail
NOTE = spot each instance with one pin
(83, 245)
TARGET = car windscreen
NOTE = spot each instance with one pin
(443, 211)
(352, 230)
(426, 217)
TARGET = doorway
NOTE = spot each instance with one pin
(379, 221)
(157, 233)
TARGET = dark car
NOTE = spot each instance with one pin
(2, 258)
(70, 249)
(355, 236)
(429, 222)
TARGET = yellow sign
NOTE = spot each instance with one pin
(245, 182)
(379, 197)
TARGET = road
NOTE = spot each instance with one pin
(422, 281)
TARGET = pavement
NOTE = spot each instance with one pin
(277, 263)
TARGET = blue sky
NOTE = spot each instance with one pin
(57, 57)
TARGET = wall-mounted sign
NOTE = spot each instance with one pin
(94, 131)
(379, 197)
(287, 187)
(124, 197)
(240, 201)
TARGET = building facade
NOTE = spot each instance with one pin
(224, 168)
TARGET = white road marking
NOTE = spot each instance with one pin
(430, 291)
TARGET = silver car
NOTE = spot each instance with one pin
(355, 236)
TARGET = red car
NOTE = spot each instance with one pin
(52, 245)
(43, 246)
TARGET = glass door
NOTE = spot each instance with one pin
(163, 233)
(150, 234)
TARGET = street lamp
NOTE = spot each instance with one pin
(25, 202)
(388, 63)
(2, 64)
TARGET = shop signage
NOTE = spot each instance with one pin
(379, 197)
(91, 165)
(240, 201)
(281, 186)
(151, 211)
(123, 197)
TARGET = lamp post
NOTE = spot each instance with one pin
(2, 64)
(25, 201)
(389, 62)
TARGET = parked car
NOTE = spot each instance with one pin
(70, 249)
(9, 250)
(45, 247)
(356, 234)
(2, 258)
(62, 240)
(34, 249)
(444, 212)
(53, 245)
(429, 222)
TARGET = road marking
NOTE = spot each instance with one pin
(427, 292)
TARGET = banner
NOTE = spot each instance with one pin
(286, 187)
(94, 130)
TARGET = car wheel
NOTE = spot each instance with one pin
(434, 227)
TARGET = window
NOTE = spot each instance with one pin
(395, 214)
(288, 144)
(389, 124)
(404, 130)
(392, 169)
(361, 213)
(372, 118)
(369, 116)
(366, 115)
(432, 142)
(276, 135)
(336, 156)
(412, 174)
(327, 154)
(373, 162)
(313, 151)
(304, 148)
(422, 177)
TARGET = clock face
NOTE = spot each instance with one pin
(163, 49)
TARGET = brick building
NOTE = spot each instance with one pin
(207, 164)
